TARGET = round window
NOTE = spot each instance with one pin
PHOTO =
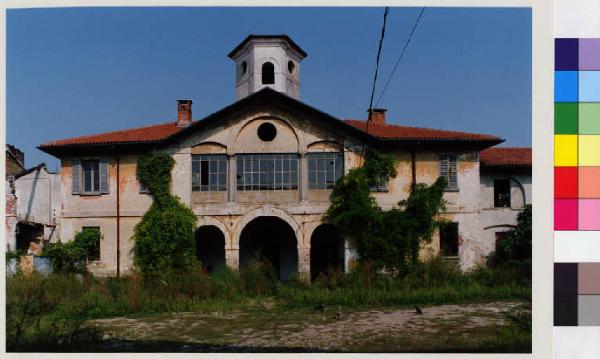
(244, 67)
(267, 131)
(291, 66)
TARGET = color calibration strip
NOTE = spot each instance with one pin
(577, 135)
(577, 294)
(576, 176)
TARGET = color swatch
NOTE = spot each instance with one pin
(577, 135)
(576, 294)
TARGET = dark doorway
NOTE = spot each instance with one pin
(326, 250)
(28, 232)
(273, 239)
(210, 247)
(449, 239)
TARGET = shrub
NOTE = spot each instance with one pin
(164, 238)
(516, 244)
(259, 277)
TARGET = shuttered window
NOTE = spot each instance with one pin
(449, 169)
(90, 176)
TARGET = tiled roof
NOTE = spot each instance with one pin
(153, 133)
(396, 132)
(506, 156)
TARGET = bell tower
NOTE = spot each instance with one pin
(267, 61)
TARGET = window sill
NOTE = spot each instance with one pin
(91, 194)
(451, 190)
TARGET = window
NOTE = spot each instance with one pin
(449, 239)
(499, 238)
(91, 176)
(209, 173)
(94, 250)
(324, 169)
(501, 192)
(268, 73)
(244, 67)
(267, 132)
(449, 169)
(381, 186)
(291, 66)
(143, 188)
(259, 172)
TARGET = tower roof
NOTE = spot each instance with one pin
(282, 37)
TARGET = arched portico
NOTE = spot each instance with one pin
(272, 239)
(210, 247)
(327, 250)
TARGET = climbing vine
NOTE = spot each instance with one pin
(164, 238)
(385, 239)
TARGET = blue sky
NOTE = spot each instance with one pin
(79, 71)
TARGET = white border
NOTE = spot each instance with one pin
(542, 124)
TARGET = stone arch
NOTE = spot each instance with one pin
(273, 240)
(210, 246)
(325, 146)
(212, 221)
(266, 211)
(209, 148)
(327, 250)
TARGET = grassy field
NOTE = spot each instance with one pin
(53, 313)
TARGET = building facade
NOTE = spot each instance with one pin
(258, 175)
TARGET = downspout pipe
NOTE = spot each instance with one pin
(413, 163)
(118, 220)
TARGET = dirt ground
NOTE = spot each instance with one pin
(444, 328)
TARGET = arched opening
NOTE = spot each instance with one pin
(210, 247)
(268, 73)
(272, 239)
(326, 250)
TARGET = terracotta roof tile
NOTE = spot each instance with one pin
(396, 132)
(506, 156)
(151, 133)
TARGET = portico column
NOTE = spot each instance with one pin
(231, 181)
(232, 258)
(303, 177)
(304, 263)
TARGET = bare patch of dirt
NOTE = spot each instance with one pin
(366, 330)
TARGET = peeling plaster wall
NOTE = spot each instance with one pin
(303, 210)
(501, 219)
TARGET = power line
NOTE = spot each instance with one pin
(385, 14)
(412, 32)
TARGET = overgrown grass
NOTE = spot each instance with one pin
(46, 313)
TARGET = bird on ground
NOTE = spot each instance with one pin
(339, 314)
(320, 308)
(419, 311)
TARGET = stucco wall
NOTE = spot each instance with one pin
(303, 210)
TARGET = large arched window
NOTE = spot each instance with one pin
(268, 73)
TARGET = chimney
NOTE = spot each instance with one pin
(377, 116)
(184, 113)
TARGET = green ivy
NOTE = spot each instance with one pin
(385, 239)
(516, 244)
(164, 238)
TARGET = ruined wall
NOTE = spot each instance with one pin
(501, 219)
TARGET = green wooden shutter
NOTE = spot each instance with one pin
(444, 168)
(104, 184)
(453, 171)
(76, 176)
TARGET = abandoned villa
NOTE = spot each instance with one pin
(258, 175)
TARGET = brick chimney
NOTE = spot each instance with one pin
(377, 116)
(184, 113)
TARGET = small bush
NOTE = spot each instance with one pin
(259, 277)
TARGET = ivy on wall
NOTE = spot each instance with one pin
(164, 238)
(385, 239)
